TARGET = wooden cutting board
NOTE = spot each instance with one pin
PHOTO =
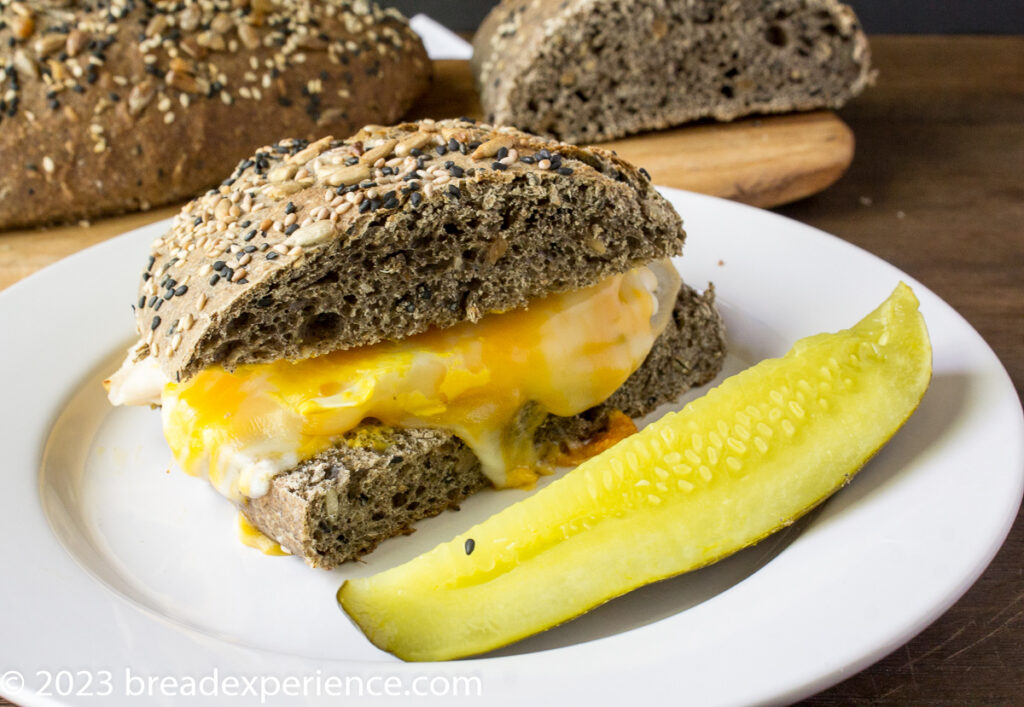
(764, 161)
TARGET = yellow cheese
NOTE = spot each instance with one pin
(564, 353)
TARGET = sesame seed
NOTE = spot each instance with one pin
(154, 324)
(454, 191)
(470, 546)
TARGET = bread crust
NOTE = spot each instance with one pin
(592, 70)
(119, 106)
(311, 248)
(377, 481)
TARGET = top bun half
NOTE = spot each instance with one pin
(313, 247)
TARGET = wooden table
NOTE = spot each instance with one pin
(936, 188)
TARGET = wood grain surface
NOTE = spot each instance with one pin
(937, 188)
(764, 161)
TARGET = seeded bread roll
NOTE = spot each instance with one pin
(122, 105)
(315, 247)
(593, 70)
(372, 486)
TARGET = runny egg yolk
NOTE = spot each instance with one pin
(562, 355)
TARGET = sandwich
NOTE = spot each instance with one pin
(350, 335)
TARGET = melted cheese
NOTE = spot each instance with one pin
(561, 355)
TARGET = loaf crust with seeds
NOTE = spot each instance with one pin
(378, 480)
(126, 104)
(593, 70)
(314, 247)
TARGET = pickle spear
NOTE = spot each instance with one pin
(751, 456)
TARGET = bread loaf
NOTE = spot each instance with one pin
(378, 480)
(314, 247)
(593, 70)
(122, 105)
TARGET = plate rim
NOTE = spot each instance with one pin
(494, 666)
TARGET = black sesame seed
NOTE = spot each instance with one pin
(565, 170)
(456, 171)
(159, 302)
(416, 152)
(265, 301)
(152, 300)
(527, 159)
(290, 208)
(169, 294)
(416, 198)
(214, 279)
(218, 265)
(441, 150)
(271, 255)
(645, 173)
(142, 302)
(181, 290)
(453, 145)
(454, 191)
(154, 324)
(150, 262)
(499, 166)
(249, 249)
(291, 229)
(249, 236)
(375, 204)
(243, 281)
(351, 161)
(543, 154)
(502, 153)
(364, 206)
(470, 546)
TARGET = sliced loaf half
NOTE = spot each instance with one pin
(592, 70)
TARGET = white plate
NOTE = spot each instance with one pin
(121, 575)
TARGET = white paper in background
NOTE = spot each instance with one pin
(441, 42)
